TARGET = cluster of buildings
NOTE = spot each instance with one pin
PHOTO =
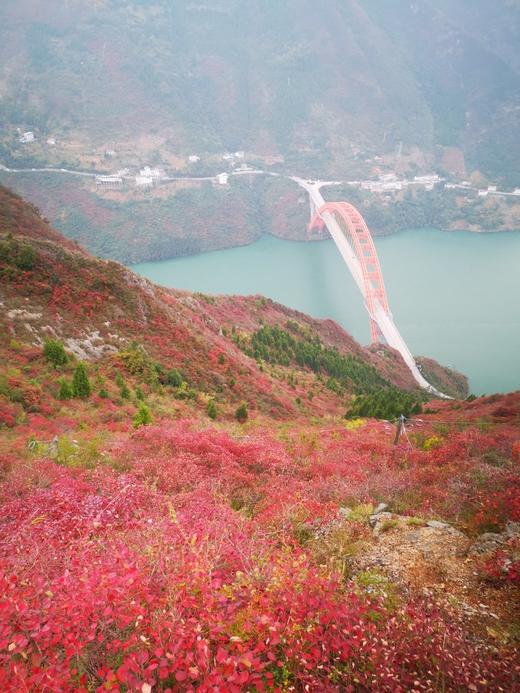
(233, 157)
(29, 136)
(388, 182)
(147, 177)
(482, 192)
(26, 137)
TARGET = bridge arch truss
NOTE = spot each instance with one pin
(356, 231)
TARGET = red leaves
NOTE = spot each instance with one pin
(185, 572)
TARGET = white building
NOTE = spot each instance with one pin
(144, 181)
(378, 186)
(516, 191)
(430, 179)
(27, 137)
(387, 177)
(392, 185)
(227, 156)
(109, 182)
(239, 155)
(193, 158)
(51, 141)
(482, 193)
(492, 188)
(222, 178)
(153, 173)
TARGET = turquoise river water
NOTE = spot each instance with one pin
(454, 296)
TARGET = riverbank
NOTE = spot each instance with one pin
(187, 218)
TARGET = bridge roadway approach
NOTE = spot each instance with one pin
(356, 247)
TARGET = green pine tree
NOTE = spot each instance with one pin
(65, 390)
(241, 413)
(212, 410)
(143, 416)
(80, 383)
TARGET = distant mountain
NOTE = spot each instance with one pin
(322, 84)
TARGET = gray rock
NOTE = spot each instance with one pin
(414, 536)
(380, 508)
(344, 512)
(512, 530)
(437, 525)
(373, 520)
(487, 543)
(444, 527)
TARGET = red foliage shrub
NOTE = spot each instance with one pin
(185, 572)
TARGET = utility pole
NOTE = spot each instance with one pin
(400, 426)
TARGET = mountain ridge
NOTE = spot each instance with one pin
(320, 87)
(98, 308)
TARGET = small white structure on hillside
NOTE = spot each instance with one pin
(387, 177)
(27, 137)
(492, 188)
(109, 182)
(51, 141)
(482, 193)
(392, 186)
(222, 178)
(429, 179)
(153, 173)
(239, 155)
(516, 191)
(144, 181)
(193, 158)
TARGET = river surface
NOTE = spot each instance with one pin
(454, 296)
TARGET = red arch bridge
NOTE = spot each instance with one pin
(354, 242)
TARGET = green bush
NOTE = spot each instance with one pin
(65, 390)
(123, 388)
(241, 413)
(211, 409)
(173, 378)
(54, 352)
(17, 254)
(136, 360)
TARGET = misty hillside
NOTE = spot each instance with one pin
(321, 84)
